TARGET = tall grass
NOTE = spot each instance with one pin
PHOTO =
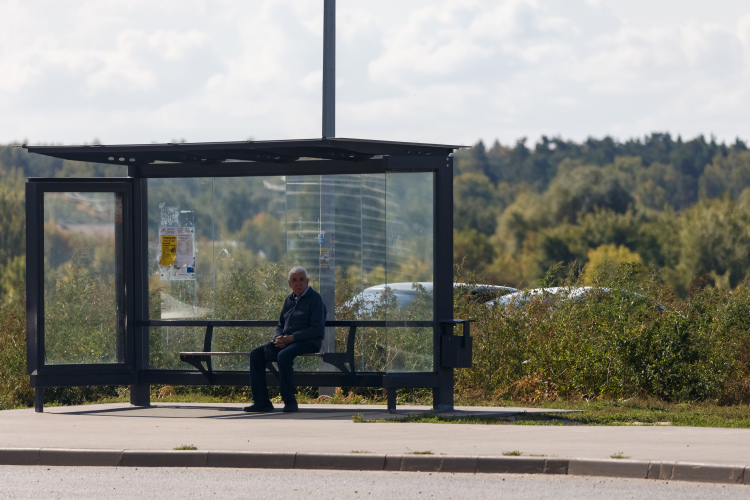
(634, 340)
(14, 383)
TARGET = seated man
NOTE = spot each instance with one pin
(300, 330)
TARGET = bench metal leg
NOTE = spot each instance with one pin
(39, 399)
(391, 400)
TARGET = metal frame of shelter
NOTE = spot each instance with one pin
(327, 156)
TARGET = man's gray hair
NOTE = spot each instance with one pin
(297, 269)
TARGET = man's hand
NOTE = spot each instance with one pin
(283, 340)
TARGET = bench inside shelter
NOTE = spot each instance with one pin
(344, 362)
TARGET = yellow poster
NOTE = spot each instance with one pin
(168, 250)
(177, 259)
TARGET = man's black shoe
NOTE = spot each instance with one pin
(258, 408)
(290, 407)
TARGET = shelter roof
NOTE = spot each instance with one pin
(266, 151)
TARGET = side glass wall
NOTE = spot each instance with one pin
(84, 320)
(220, 248)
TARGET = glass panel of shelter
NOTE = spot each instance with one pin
(410, 268)
(235, 238)
(84, 318)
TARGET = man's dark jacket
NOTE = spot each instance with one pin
(305, 320)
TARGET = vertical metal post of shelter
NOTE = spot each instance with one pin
(442, 395)
(34, 290)
(329, 69)
(39, 399)
(140, 393)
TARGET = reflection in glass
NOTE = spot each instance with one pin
(83, 271)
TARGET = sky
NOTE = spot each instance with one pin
(434, 71)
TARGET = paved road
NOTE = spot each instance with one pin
(95, 483)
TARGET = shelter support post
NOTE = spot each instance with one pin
(140, 395)
(442, 395)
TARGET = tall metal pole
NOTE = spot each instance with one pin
(329, 69)
(327, 187)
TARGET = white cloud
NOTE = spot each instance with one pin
(439, 71)
(743, 30)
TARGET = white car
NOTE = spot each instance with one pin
(405, 293)
(574, 292)
(555, 293)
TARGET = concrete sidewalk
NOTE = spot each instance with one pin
(325, 436)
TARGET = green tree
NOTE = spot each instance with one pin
(12, 223)
(264, 235)
(476, 204)
(604, 261)
(475, 161)
(582, 190)
(729, 175)
(473, 249)
(714, 237)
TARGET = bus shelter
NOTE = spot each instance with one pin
(131, 279)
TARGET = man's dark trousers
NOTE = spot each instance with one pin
(285, 361)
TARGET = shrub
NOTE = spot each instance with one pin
(14, 383)
(633, 340)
